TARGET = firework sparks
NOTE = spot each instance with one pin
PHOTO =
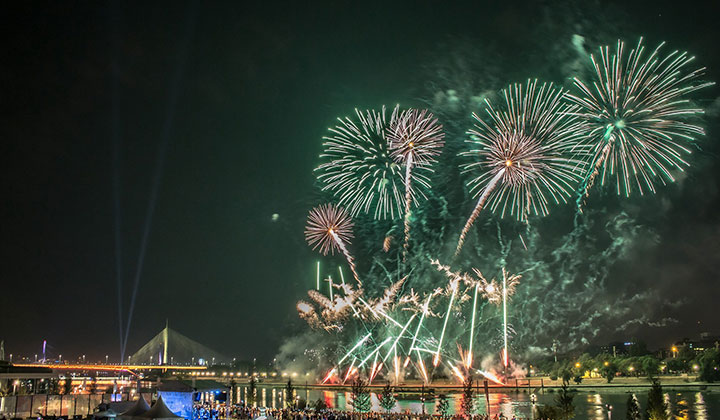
(329, 375)
(329, 227)
(493, 292)
(416, 139)
(358, 168)
(386, 243)
(524, 157)
(332, 311)
(469, 358)
(491, 376)
(393, 348)
(457, 372)
(636, 113)
(454, 284)
(307, 312)
(421, 367)
(317, 277)
(374, 352)
(489, 290)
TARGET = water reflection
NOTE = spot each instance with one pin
(593, 405)
(681, 407)
(699, 408)
(596, 407)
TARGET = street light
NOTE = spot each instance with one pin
(609, 407)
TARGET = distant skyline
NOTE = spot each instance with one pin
(223, 107)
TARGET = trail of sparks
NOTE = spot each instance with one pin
(505, 336)
(533, 141)
(374, 352)
(342, 277)
(329, 375)
(394, 345)
(472, 328)
(328, 228)
(491, 377)
(408, 201)
(358, 344)
(423, 371)
(415, 140)
(455, 285)
(478, 207)
(456, 372)
(587, 182)
(348, 257)
(422, 318)
(350, 370)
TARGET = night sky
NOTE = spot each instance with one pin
(220, 108)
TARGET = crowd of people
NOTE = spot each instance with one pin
(238, 412)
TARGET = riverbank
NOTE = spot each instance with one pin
(533, 385)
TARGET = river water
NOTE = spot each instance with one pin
(690, 405)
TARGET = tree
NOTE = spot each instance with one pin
(656, 405)
(387, 399)
(467, 403)
(686, 354)
(633, 408)
(320, 405)
(252, 391)
(443, 406)
(289, 394)
(360, 396)
(546, 412)
(710, 366)
(564, 402)
(609, 371)
(676, 365)
(566, 375)
(650, 365)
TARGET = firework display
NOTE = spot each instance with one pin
(527, 152)
(359, 170)
(416, 139)
(638, 116)
(525, 156)
(329, 227)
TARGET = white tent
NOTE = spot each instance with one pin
(159, 411)
(141, 407)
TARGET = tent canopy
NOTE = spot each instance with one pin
(141, 406)
(159, 411)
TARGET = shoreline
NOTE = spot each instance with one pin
(536, 385)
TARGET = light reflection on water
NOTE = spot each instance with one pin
(687, 405)
(699, 407)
